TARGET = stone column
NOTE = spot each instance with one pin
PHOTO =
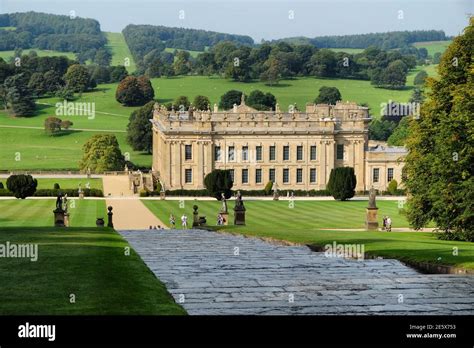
(321, 173)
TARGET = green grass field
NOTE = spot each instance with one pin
(83, 260)
(120, 50)
(42, 151)
(348, 50)
(307, 222)
(193, 54)
(433, 46)
(7, 55)
(48, 183)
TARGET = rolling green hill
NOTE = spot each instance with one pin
(120, 51)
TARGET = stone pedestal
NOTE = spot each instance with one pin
(66, 219)
(371, 222)
(162, 195)
(239, 216)
(59, 218)
(195, 216)
(110, 223)
(81, 195)
(225, 217)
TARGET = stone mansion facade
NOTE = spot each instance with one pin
(296, 150)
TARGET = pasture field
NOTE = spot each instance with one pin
(26, 136)
(314, 223)
(120, 50)
(348, 50)
(433, 46)
(7, 55)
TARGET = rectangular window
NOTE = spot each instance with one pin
(340, 152)
(272, 153)
(258, 153)
(231, 172)
(245, 176)
(245, 153)
(217, 153)
(299, 175)
(271, 175)
(188, 152)
(313, 153)
(258, 176)
(312, 175)
(375, 175)
(286, 175)
(389, 174)
(286, 153)
(231, 153)
(299, 153)
(188, 176)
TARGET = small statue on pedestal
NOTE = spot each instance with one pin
(239, 210)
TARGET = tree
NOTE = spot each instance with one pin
(139, 129)
(381, 129)
(102, 153)
(261, 101)
(19, 95)
(37, 84)
(230, 98)
(66, 124)
(22, 185)
(133, 91)
(268, 188)
(417, 96)
(52, 125)
(420, 78)
(272, 72)
(323, 63)
(400, 133)
(78, 78)
(342, 183)
(217, 182)
(201, 102)
(182, 64)
(392, 187)
(181, 103)
(328, 95)
(436, 58)
(438, 170)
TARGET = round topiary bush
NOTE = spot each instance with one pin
(56, 186)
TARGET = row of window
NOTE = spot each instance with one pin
(376, 174)
(188, 175)
(188, 153)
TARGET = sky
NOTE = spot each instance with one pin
(265, 19)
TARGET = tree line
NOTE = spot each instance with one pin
(386, 41)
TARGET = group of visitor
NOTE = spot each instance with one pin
(387, 224)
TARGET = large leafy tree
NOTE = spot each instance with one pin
(201, 102)
(22, 185)
(102, 153)
(78, 78)
(342, 183)
(19, 95)
(139, 129)
(133, 91)
(230, 98)
(440, 163)
(261, 101)
(217, 182)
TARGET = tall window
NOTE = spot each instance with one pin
(389, 174)
(375, 175)
(312, 175)
(299, 175)
(286, 175)
(258, 153)
(258, 176)
(188, 152)
(245, 176)
(188, 176)
(340, 152)
(271, 175)
(217, 153)
(299, 153)
(272, 153)
(245, 153)
(231, 153)
(286, 153)
(313, 153)
(231, 172)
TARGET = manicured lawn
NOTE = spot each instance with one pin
(305, 223)
(87, 262)
(83, 260)
(39, 212)
(120, 50)
(48, 183)
(6, 55)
